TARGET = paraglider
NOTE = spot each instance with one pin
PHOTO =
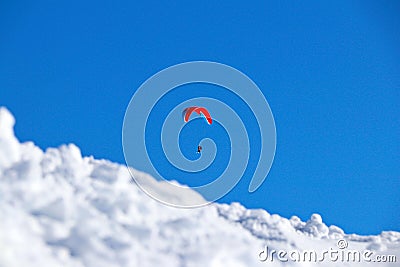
(202, 112)
(199, 110)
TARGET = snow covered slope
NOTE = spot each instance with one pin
(58, 208)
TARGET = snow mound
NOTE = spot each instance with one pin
(58, 208)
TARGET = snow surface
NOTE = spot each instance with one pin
(58, 208)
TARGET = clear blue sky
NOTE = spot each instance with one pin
(330, 72)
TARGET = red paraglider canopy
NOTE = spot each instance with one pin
(199, 110)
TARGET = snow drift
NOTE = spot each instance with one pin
(58, 208)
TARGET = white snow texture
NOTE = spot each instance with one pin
(58, 208)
